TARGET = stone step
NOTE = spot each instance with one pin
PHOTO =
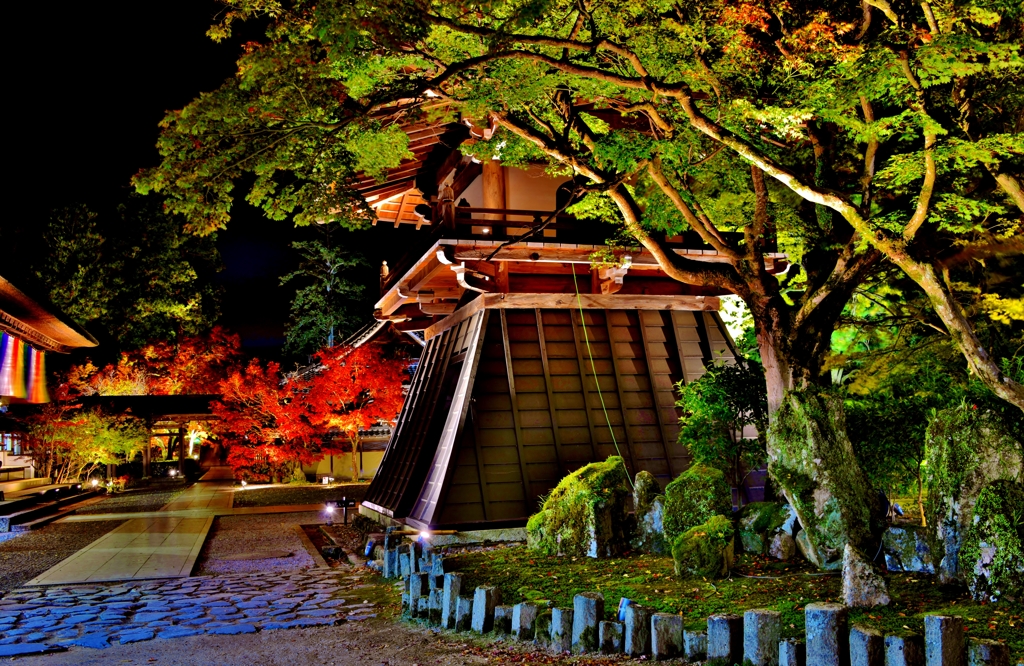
(43, 513)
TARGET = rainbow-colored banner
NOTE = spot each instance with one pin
(20, 362)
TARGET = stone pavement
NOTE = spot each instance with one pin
(157, 546)
(95, 616)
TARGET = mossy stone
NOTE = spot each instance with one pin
(706, 550)
(758, 522)
(585, 515)
(967, 450)
(992, 555)
(649, 509)
(693, 498)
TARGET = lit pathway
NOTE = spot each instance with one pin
(159, 544)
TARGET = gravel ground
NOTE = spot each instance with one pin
(134, 501)
(240, 535)
(25, 555)
(303, 494)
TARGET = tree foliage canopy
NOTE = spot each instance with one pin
(131, 275)
(890, 130)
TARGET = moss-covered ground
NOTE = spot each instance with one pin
(755, 582)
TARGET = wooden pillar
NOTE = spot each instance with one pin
(493, 181)
(146, 451)
(181, 450)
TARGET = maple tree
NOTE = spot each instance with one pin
(262, 423)
(353, 389)
(190, 365)
(272, 424)
(68, 442)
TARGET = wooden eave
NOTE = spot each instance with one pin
(40, 325)
(439, 276)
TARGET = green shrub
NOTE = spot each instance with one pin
(585, 515)
(992, 556)
(694, 497)
(706, 550)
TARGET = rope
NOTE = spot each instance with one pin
(593, 368)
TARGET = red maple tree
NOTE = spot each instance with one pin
(273, 425)
(189, 366)
(263, 424)
(354, 389)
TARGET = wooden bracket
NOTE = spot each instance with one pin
(611, 278)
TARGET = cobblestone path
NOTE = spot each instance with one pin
(97, 615)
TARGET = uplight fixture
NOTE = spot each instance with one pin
(244, 484)
(95, 482)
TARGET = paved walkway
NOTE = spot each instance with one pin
(157, 544)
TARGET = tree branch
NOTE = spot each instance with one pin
(708, 234)
(869, 158)
(928, 186)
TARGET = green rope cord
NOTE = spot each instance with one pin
(597, 383)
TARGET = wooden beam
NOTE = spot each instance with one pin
(569, 302)
(545, 366)
(439, 308)
(654, 389)
(457, 317)
(601, 302)
(579, 343)
(515, 409)
(563, 255)
(618, 389)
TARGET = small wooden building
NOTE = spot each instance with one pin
(538, 360)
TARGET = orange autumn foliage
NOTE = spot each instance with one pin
(270, 424)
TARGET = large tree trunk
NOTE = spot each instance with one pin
(811, 460)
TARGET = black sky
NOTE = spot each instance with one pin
(94, 83)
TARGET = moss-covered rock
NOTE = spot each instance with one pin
(585, 515)
(906, 549)
(705, 551)
(812, 463)
(967, 450)
(992, 555)
(693, 497)
(757, 524)
(649, 509)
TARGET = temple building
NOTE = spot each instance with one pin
(29, 329)
(546, 347)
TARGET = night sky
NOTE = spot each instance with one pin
(91, 96)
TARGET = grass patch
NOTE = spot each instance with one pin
(783, 586)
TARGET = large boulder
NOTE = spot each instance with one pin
(906, 549)
(649, 509)
(693, 498)
(968, 449)
(585, 515)
(758, 523)
(705, 551)
(992, 554)
(863, 586)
